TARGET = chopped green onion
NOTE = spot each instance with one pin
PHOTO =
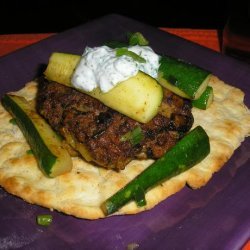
(126, 52)
(13, 121)
(135, 136)
(115, 44)
(44, 219)
(137, 39)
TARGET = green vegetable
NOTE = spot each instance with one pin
(204, 101)
(115, 44)
(52, 158)
(126, 52)
(190, 150)
(135, 136)
(137, 39)
(61, 67)
(44, 219)
(184, 79)
(138, 97)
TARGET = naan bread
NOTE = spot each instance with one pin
(80, 192)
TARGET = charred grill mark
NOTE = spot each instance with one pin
(149, 153)
(180, 123)
(104, 118)
(99, 129)
(150, 134)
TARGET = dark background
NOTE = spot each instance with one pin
(56, 16)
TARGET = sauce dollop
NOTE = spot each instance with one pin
(101, 67)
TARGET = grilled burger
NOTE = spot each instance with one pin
(105, 136)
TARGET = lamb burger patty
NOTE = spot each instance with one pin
(97, 132)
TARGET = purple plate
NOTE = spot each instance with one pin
(216, 216)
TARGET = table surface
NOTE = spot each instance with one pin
(204, 37)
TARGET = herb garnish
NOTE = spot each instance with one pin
(135, 136)
(126, 52)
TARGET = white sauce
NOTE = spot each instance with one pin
(100, 67)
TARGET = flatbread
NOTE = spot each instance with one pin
(81, 192)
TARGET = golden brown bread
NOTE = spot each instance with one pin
(80, 192)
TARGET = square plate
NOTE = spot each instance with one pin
(213, 217)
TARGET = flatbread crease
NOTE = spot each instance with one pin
(81, 192)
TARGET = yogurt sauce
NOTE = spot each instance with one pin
(100, 67)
